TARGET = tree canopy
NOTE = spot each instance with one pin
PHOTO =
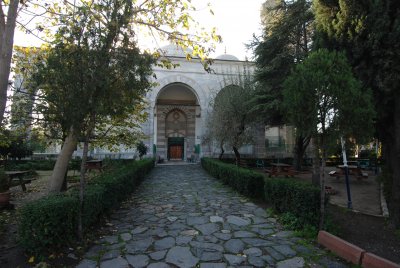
(324, 100)
(369, 33)
(231, 121)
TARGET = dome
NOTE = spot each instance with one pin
(174, 51)
(227, 57)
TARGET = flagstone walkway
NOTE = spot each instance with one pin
(182, 217)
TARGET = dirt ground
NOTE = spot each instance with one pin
(11, 255)
(365, 192)
(372, 233)
(363, 226)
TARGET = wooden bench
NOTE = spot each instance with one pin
(94, 165)
(281, 169)
(18, 178)
(243, 163)
(353, 171)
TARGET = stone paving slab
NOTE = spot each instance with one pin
(182, 217)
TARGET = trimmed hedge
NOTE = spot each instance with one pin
(73, 164)
(285, 195)
(52, 222)
(245, 181)
(299, 198)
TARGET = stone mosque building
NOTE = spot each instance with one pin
(180, 103)
(178, 108)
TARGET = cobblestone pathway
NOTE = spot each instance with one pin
(182, 217)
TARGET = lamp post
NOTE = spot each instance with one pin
(346, 173)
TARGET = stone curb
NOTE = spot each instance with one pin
(353, 253)
(373, 261)
(342, 248)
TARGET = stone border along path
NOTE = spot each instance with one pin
(182, 217)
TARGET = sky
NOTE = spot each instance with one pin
(236, 21)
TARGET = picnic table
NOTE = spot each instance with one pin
(94, 164)
(281, 169)
(353, 171)
(18, 175)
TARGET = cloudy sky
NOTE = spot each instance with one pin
(235, 20)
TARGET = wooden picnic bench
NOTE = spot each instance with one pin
(281, 169)
(353, 171)
(243, 163)
(94, 165)
(17, 177)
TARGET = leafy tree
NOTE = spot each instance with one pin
(17, 145)
(286, 42)
(331, 102)
(9, 15)
(163, 19)
(141, 148)
(369, 33)
(95, 65)
(95, 73)
(231, 121)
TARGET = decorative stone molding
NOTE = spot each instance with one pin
(191, 84)
(164, 110)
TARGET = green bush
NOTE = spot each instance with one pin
(30, 164)
(52, 222)
(299, 198)
(245, 181)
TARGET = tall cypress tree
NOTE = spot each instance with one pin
(286, 41)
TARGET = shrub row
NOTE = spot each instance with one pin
(285, 195)
(52, 222)
(243, 180)
(299, 198)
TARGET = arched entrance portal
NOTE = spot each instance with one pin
(176, 121)
(175, 129)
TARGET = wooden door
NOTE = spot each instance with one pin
(175, 151)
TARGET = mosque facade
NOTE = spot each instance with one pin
(179, 105)
(178, 108)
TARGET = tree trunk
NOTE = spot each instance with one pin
(237, 155)
(316, 167)
(82, 181)
(82, 184)
(299, 150)
(6, 46)
(61, 166)
(222, 150)
(395, 164)
(322, 184)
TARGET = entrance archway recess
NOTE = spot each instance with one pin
(176, 121)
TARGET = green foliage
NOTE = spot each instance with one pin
(141, 148)
(290, 221)
(16, 145)
(285, 42)
(231, 122)
(50, 223)
(321, 96)
(31, 165)
(369, 32)
(301, 200)
(243, 180)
